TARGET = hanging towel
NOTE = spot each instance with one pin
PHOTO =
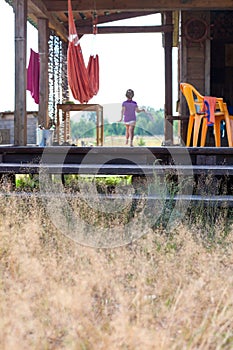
(33, 75)
(209, 109)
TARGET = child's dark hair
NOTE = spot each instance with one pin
(129, 93)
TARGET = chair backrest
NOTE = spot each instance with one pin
(193, 98)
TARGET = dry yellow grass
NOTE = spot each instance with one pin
(115, 141)
(165, 292)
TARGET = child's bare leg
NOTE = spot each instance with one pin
(127, 134)
(131, 134)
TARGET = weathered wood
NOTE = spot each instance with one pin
(20, 115)
(39, 10)
(174, 164)
(183, 108)
(116, 169)
(118, 160)
(71, 159)
(168, 38)
(84, 107)
(43, 38)
(223, 155)
(195, 65)
(207, 63)
(125, 29)
(138, 5)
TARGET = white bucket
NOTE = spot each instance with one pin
(48, 137)
(39, 137)
(44, 137)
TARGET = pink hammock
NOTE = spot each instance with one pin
(83, 82)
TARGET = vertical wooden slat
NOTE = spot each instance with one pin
(183, 78)
(58, 126)
(43, 117)
(195, 64)
(207, 59)
(20, 114)
(102, 127)
(168, 125)
(97, 126)
(65, 126)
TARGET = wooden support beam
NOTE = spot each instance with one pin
(168, 124)
(125, 29)
(20, 115)
(43, 36)
(138, 5)
(39, 10)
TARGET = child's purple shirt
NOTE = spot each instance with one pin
(130, 108)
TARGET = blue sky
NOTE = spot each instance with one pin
(133, 61)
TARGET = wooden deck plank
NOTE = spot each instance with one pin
(115, 169)
(74, 155)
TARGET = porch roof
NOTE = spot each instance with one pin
(106, 11)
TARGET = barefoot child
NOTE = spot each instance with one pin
(128, 114)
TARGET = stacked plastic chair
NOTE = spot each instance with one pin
(199, 118)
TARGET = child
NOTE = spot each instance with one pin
(128, 113)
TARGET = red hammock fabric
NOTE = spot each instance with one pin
(93, 73)
(82, 81)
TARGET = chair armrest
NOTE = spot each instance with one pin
(220, 104)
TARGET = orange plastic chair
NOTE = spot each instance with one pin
(198, 121)
(229, 125)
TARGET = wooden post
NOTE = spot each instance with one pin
(168, 124)
(43, 117)
(58, 126)
(20, 114)
(102, 127)
(97, 126)
(183, 67)
(65, 126)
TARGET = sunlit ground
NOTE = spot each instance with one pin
(109, 141)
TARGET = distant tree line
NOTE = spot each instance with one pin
(147, 125)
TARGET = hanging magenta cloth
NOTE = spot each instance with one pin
(33, 75)
(93, 72)
(78, 77)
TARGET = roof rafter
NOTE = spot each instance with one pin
(138, 5)
(38, 9)
(124, 29)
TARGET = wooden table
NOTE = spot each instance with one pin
(70, 107)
